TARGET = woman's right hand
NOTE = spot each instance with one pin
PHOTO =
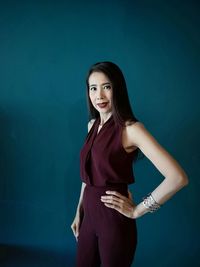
(75, 226)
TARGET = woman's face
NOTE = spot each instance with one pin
(100, 92)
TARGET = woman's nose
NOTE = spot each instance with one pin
(100, 94)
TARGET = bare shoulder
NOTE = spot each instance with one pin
(137, 133)
(134, 126)
(90, 124)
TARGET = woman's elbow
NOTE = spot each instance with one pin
(183, 180)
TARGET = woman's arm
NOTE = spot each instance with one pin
(79, 206)
(75, 226)
(174, 176)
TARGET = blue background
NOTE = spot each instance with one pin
(46, 48)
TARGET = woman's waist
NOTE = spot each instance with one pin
(119, 187)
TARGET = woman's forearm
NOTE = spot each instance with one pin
(81, 197)
(165, 190)
(168, 187)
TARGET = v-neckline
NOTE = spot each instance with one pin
(98, 123)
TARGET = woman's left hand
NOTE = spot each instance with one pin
(115, 200)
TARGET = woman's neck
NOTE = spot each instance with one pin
(104, 117)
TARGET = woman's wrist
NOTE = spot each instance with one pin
(139, 211)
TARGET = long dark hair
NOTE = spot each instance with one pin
(121, 108)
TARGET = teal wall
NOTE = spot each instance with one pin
(46, 48)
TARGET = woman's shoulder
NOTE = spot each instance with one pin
(135, 131)
(133, 124)
(135, 128)
(131, 131)
(90, 124)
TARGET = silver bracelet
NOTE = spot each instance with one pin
(150, 203)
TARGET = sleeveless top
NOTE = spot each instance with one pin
(103, 159)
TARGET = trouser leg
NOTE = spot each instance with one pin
(105, 234)
(117, 243)
(87, 247)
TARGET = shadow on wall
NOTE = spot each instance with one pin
(7, 153)
(20, 256)
(24, 217)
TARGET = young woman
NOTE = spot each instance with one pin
(105, 221)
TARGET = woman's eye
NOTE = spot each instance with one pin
(92, 88)
(107, 87)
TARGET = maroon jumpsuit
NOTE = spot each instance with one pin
(106, 237)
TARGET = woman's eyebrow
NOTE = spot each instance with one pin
(106, 83)
(102, 84)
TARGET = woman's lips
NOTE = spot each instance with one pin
(102, 105)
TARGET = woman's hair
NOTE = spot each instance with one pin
(121, 108)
